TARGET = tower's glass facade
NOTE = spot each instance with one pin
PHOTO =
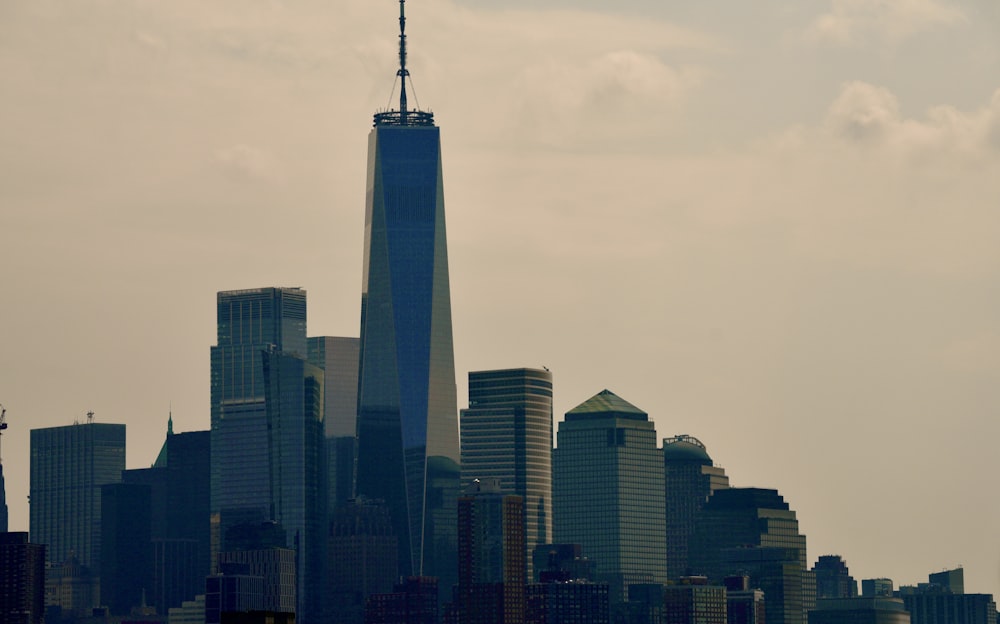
(408, 449)
(268, 456)
(507, 435)
(68, 467)
(607, 488)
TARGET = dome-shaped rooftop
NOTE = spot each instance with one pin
(685, 448)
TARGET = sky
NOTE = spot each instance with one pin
(771, 225)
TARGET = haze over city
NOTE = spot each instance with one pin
(770, 225)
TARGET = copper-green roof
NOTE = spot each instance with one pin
(607, 404)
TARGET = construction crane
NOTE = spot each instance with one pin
(3, 425)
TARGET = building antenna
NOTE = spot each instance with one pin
(403, 73)
(90, 417)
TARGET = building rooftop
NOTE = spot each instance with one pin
(606, 404)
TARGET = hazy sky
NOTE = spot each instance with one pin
(772, 225)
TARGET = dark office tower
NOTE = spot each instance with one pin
(408, 449)
(22, 591)
(68, 467)
(276, 568)
(568, 603)
(607, 491)
(338, 357)
(363, 554)
(690, 478)
(833, 579)
(751, 530)
(491, 554)
(873, 588)
(126, 546)
(413, 601)
(268, 459)
(693, 601)
(507, 434)
(951, 581)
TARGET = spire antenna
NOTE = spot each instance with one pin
(403, 73)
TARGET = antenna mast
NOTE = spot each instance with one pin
(403, 73)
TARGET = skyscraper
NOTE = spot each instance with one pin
(408, 449)
(833, 580)
(690, 478)
(22, 590)
(268, 458)
(507, 434)
(607, 491)
(491, 555)
(753, 531)
(68, 467)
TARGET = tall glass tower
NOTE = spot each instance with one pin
(408, 449)
(507, 435)
(268, 457)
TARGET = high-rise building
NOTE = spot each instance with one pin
(942, 601)
(833, 580)
(507, 435)
(338, 357)
(68, 467)
(578, 602)
(690, 478)
(753, 531)
(693, 601)
(363, 556)
(22, 591)
(744, 605)
(877, 587)
(126, 546)
(607, 491)
(268, 453)
(491, 554)
(949, 580)
(408, 448)
(413, 601)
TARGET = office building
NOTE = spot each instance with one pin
(561, 562)
(744, 604)
(126, 545)
(608, 491)
(952, 581)
(363, 555)
(873, 588)
(506, 434)
(491, 555)
(22, 590)
(413, 601)
(855, 610)
(690, 478)
(694, 601)
(190, 611)
(268, 452)
(3, 503)
(578, 602)
(68, 467)
(833, 580)
(338, 357)
(408, 448)
(275, 567)
(753, 531)
(941, 601)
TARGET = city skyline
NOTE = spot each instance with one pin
(773, 228)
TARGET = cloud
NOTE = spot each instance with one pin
(851, 22)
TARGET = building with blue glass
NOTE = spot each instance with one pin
(268, 454)
(408, 447)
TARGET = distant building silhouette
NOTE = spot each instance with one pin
(22, 588)
(413, 601)
(68, 467)
(126, 545)
(833, 579)
(608, 491)
(941, 601)
(952, 581)
(690, 478)
(744, 604)
(574, 602)
(506, 433)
